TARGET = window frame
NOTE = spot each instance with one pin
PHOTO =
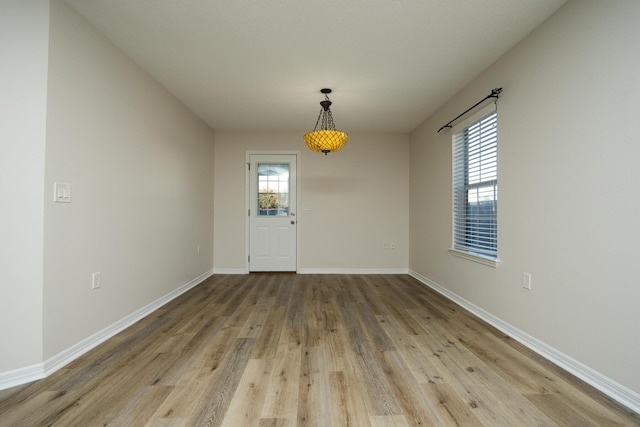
(466, 251)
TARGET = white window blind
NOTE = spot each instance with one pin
(475, 186)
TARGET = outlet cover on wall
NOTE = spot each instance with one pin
(96, 280)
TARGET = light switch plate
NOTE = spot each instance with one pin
(61, 192)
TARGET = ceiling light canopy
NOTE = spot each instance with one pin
(326, 139)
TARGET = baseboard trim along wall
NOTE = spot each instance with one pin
(42, 370)
(324, 271)
(229, 271)
(21, 376)
(353, 271)
(606, 385)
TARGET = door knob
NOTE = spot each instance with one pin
(293, 222)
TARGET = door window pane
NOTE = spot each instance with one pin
(273, 189)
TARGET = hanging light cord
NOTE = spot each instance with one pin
(495, 93)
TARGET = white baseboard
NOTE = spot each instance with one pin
(21, 376)
(353, 271)
(606, 385)
(324, 271)
(41, 370)
(229, 271)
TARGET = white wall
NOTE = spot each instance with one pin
(141, 169)
(568, 182)
(24, 39)
(349, 202)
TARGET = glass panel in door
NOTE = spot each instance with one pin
(273, 189)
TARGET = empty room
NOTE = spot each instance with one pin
(286, 213)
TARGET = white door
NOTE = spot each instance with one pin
(272, 212)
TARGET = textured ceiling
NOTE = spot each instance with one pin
(260, 65)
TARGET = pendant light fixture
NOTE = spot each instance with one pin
(326, 139)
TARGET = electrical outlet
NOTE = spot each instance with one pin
(526, 280)
(96, 280)
(392, 245)
(385, 245)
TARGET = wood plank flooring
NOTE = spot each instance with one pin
(271, 350)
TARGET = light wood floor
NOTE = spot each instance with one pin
(317, 350)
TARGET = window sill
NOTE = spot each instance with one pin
(484, 260)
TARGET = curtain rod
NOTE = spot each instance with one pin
(495, 93)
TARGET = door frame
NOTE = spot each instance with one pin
(247, 191)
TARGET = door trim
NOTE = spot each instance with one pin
(247, 191)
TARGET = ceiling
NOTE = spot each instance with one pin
(260, 65)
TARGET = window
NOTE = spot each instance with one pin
(273, 189)
(475, 188)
